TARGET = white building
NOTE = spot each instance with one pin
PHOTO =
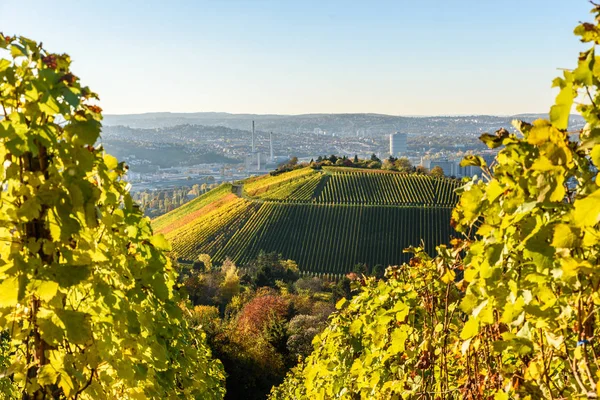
(398, 144)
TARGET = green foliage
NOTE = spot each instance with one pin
(86, 291)
(517, 317)
(7, 389)
(389, 340)
(268, 268)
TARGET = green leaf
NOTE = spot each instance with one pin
(595, 155)
(66, 384)
(583, 73)
(475, 161)
(18, 51)
(45, 290)
(398, 340)
(77, 326)
(49, 105)
(9, 292)
(565, 236)
(539, 133)
(87, 132)
(160, 242)
(47, 375)
(587, 210)
(494, 190)
(50, 327)
(560, 111)
(4, 64)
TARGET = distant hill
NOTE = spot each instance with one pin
(327, 221)
(340, 124)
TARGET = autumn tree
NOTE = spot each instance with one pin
(437, 171)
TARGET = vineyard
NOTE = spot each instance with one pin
(327, 221)
(187, 211)
(362, 187)
(333, 238)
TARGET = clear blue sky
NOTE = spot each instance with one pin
(402, 57)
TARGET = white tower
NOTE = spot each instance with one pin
(252, 136)
(398, 144)
(271, 145)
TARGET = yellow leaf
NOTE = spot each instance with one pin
(470, 329)
(587, 210)
(9, 292)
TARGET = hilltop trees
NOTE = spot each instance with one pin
(437, 171)
(86, 291)
(508, 313)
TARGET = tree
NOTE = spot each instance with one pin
(267, 268)
(86, 290)
(437, 171)
(388, 164)
(360, 269)
(374, 165)
(231, 282)
(260, 311)
(309, 284)
(375, 158)
(378, 271)
(342, 289)
(302, 330)
(355, 159)
(403, 164)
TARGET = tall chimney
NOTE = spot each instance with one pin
(252, 136)
(271, 145)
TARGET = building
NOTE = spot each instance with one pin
(256, 162)
(453, 168)
(398, 144)
(449, 167)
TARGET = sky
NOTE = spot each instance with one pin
(402, 57)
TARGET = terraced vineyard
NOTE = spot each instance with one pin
(327, 221)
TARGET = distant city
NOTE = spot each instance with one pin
(167, 150)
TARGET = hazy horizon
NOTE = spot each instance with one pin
(292, 58)
(574, 114)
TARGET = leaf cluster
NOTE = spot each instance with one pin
(86, 291)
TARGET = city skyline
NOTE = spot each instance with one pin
(291, 58)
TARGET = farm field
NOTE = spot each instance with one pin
(326, 221)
